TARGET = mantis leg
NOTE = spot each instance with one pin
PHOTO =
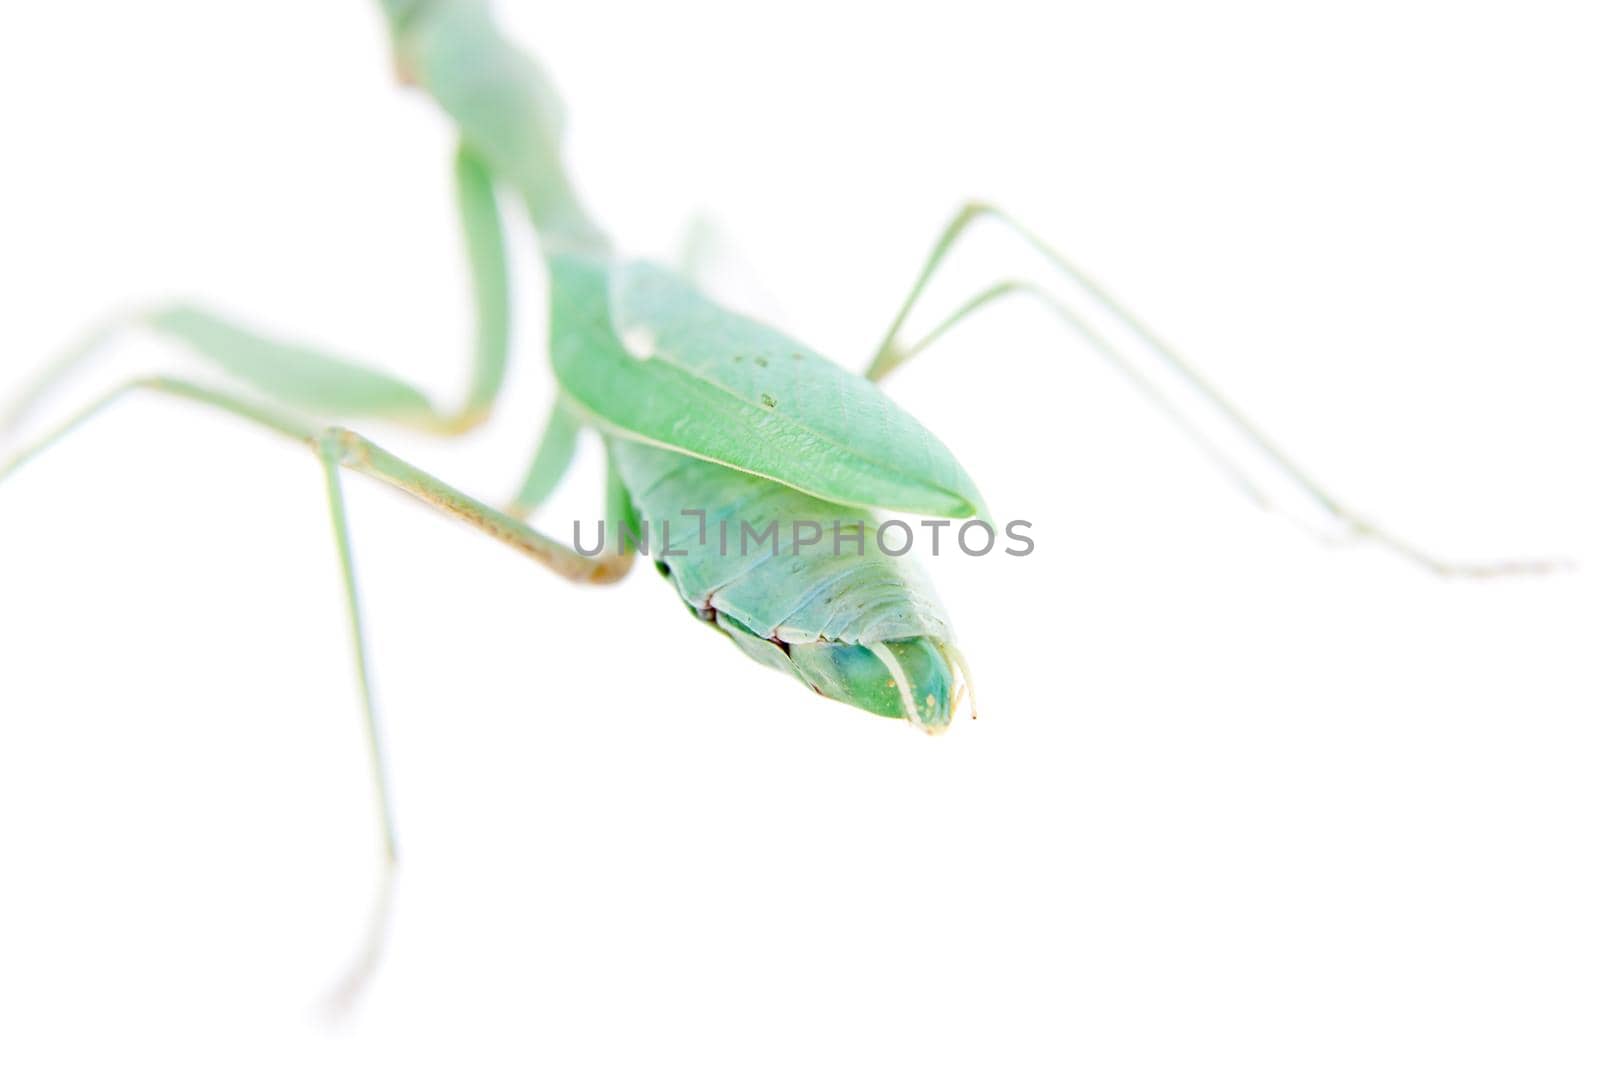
(895, 351)
(305, 378)
(340, 449)
(554, 455)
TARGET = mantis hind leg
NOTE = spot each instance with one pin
(312, 380)
(897, 349)
(339, 450)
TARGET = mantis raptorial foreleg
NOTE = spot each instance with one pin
(340, 449)
(896, 350)
(311, 380)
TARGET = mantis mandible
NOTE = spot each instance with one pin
(701, 410)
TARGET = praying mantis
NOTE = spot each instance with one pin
(701, 409)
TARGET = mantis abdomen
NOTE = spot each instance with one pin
(799, 583)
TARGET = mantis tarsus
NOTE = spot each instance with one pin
(700, 408)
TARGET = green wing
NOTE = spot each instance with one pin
(644, 355)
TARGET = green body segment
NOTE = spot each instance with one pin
(798, 583)
(642, 354)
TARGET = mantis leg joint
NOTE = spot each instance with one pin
(341, 445)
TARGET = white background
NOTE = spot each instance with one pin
(1235, 798)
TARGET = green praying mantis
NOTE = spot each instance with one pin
(703, 412)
